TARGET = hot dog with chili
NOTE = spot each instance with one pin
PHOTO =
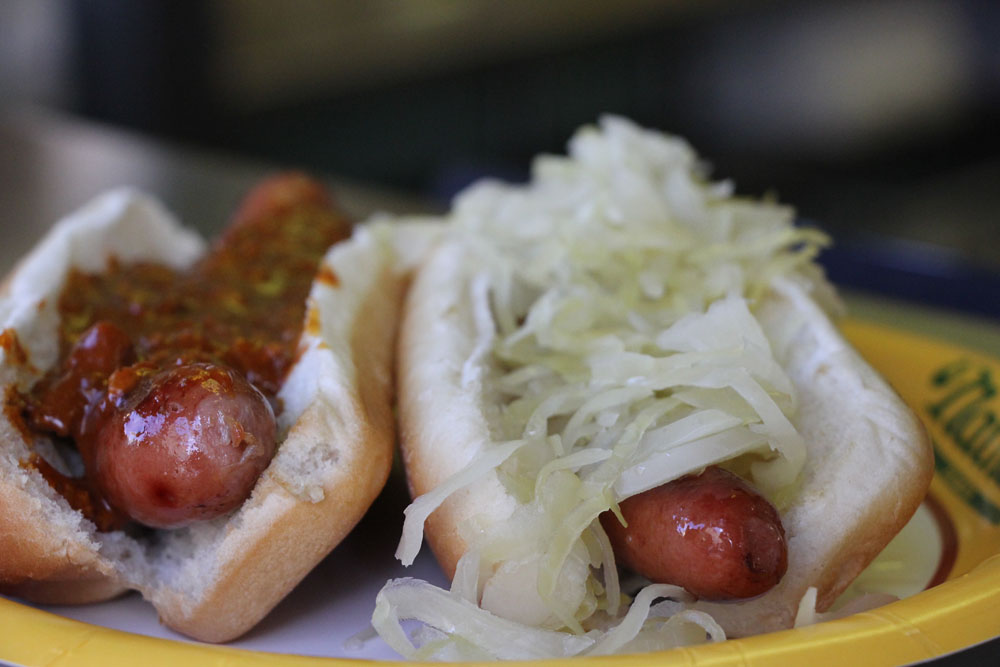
(200, 424)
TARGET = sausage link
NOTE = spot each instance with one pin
(711, 533)
(185, 445)
(277, 195)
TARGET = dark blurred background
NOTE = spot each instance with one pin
(875, 119)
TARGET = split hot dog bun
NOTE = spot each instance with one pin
(618, 323)
(215, 579)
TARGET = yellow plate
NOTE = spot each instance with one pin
(953, 389)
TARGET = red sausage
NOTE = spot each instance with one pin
(278, 195)
(185, 445)
(711, 533)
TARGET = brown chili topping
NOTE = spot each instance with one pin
(243, 305)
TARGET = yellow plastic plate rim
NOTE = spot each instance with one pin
(953, 615)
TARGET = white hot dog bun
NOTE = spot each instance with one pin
(542, 382)
(214, 579)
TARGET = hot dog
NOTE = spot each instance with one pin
(621, 365)
(711, 534)
(165, 474)
(200, 424)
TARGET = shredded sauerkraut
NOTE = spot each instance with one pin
(616, 294)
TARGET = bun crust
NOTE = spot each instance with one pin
(869, 459)
(214, 580)
(443, 409)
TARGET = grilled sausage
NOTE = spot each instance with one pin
(710, 533)
(186, 445)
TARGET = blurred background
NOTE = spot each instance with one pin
(876, 119)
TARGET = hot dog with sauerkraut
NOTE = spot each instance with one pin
(628, 420)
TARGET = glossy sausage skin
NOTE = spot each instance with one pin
(185, 445)
(711, 533)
